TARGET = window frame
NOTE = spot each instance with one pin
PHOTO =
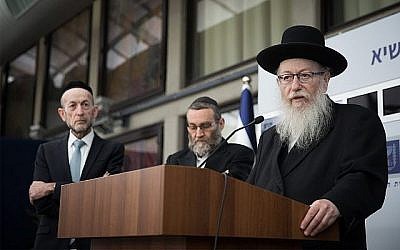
(189, 80)
(326, 17)
(142, 134)
(48, 37)
(103, 61)
(4, 89)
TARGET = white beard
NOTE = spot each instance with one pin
(306, 125)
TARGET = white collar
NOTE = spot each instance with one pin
(88, 139)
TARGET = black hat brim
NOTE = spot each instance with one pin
(270, 58)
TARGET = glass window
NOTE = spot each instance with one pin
(339, 12)
(134, 56)
(19, 95)
(391, 100)
(225, 33)
(141, 154)
(368, 100)
(143, 147)
(69, 51)
(18, 7)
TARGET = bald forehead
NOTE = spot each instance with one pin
(76, 94)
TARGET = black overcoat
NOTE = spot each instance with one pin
(348, 167)
(235, 158)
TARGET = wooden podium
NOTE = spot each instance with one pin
(176, 207)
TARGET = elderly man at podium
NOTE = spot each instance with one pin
(328, 155)
(207, 148)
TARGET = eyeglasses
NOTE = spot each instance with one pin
(303, 77)
(203, 126)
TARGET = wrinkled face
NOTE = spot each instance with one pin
(78, 111)
(204, 131)
(301, 94)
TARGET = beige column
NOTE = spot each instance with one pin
(36, 127)
(95, 47)
(176, 42)
(173, 136)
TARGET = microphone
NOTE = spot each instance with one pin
(257, 120)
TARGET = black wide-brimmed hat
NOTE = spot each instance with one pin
(302, 41)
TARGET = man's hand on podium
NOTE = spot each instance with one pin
(321, 214)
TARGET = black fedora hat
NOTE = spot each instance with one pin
(302, 41)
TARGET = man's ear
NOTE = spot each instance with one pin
(61, 113)
(222, 123)
(327, 77)
(95, 111)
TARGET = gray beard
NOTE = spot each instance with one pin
(202, 148)
(307, 125)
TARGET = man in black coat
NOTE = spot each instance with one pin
(53, 166)
(330, 156)
(204, 125)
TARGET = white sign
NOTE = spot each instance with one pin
(372, 52)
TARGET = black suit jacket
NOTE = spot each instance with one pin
(52, 165)
(236, 158)
(347, 167)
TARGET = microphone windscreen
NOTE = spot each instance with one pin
(259, 119)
